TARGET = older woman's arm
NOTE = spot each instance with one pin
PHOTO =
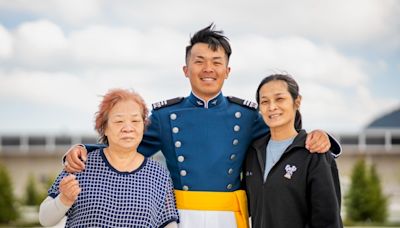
(172, 225)
(52, 210)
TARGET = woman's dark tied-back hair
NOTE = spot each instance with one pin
(293, 89)
(213, 38)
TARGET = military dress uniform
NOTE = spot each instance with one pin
(204, 144)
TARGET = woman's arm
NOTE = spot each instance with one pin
(51, 211)
(172, 225)
(323, 195)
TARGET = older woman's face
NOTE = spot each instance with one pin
(125, 125)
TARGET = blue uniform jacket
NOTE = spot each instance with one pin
(204, 143)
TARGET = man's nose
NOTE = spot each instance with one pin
(208, 67)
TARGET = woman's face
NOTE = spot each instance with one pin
(276, 104)
(125, 125)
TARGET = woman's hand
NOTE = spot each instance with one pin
(69, 190)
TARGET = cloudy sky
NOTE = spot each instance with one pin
(58, 57)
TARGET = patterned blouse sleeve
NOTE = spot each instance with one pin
(168, 212)
(54, 191)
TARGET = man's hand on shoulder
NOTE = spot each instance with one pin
(318, 141)
(75, 159)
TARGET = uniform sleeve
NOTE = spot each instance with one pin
(168, 212)
(243, 184)
(151, 142)
(259, 127)
(93, 147)
(322, 193)
(335, 149)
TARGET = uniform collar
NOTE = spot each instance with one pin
(198, 102)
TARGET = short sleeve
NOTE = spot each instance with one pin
(54, 191)
(168, 212)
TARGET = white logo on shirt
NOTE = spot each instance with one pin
(289, 171)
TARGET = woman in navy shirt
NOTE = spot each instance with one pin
(119, 187)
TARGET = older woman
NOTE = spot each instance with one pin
(119, 187)
(286, 185)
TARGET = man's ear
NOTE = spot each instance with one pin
(185, 71)
(228, 70)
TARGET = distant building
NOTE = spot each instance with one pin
(390, 121)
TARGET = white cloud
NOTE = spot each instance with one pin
(74, 12)
(299, 57)
(349, 22)
(39, 42)
(6, 43)
(67, 67)
(100, 44)
(44, 88)
(335, 87)
(354, 22)
(126, 46)
(77, 11)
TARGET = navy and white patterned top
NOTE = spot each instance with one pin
(110, 198)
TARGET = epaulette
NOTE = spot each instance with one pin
(245, 103)
(166, 103)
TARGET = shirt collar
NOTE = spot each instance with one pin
(198, 102)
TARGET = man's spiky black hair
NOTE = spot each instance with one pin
(214, 39)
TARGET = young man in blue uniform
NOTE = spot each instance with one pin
(204, 138)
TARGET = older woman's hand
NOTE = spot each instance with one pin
(69, 190)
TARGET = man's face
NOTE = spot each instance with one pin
(206, 70)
